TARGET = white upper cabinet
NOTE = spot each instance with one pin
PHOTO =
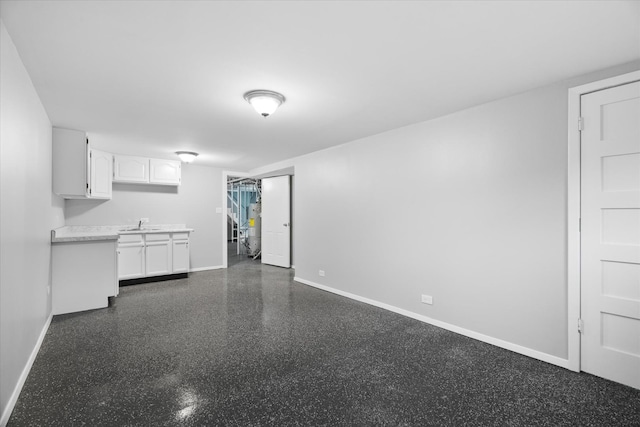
(130, 169)
(77, 174)
(100, 164)
(143, 170)
(166, 172)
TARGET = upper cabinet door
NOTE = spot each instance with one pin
(167, 172)
(100, 164)
(130, 169)
(70, 163)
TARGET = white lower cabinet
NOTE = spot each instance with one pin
(158, 254)
(180, 252)
(152, 254)
(83, 275)
(130, 262)
(131, 259)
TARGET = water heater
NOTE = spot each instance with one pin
(254, 231)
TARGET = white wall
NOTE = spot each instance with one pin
(193, 203)
(28, 212)
(469, 208)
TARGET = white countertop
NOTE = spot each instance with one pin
(78, 233)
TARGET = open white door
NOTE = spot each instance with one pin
(276, 221)
(610, 239)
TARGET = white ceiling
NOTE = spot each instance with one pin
(150, 77)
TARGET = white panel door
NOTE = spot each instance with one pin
(276, 221)
(610, 238)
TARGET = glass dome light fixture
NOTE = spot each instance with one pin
(187, 156)
(265, 102)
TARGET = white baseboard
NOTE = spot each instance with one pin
(215, 267)
(23, 376)
(545, 357)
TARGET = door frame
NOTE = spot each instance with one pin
(265, 172)
(225, 175)
(573, 208)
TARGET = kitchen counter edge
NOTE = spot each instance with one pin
(68, 234)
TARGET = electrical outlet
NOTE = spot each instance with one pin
(321, 273)
(427, 299)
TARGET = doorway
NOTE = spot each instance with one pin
(243, 219)
(237, 242)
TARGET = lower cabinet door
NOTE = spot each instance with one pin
(130, 261)
(181, 256)
(158, 258)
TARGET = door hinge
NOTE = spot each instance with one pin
(580, 123)
(580, 326)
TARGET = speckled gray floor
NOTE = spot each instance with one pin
(248, 346)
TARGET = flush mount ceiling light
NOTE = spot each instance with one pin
(265, 102)
(187, 156)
